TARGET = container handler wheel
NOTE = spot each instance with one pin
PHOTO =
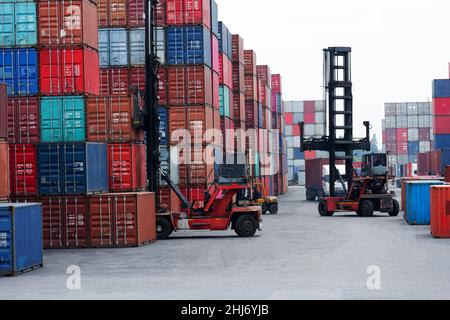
(164, 228)
(323, 209)
(367, 208)
(273, 208)
(395, 209)
(246, 226)
(265, 208)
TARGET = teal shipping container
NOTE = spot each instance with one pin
(18, 23)
(418, 201)
(224, 96)
(63, 119)
(20, 238)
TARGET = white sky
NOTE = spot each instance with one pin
(399, 47)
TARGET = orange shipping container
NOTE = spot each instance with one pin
(67, 23)
(122, 219)
(168, 200)
(110, 119)
(4, 169)
(189, 86)
(195, 119)
(440, 211)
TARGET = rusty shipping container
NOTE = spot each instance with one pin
(440, 211)
(110, 119)
(23, 120)
(4, 169)
(122, 219)
(196, 120)
(112, 13)
(67, 23)
(23, 169)
(4, 111)
(65, 222)
(127, 167)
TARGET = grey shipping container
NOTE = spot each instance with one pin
(298, 106)
(402, 122)
(401, 109)
(413, 121)
(391, 122)
(113, 47)
(413, 134)
(412, 108)
(137, 47)
(390, 109)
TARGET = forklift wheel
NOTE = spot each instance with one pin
(264, 208)
(273, 209)
(246, 226)
(323, 209)
(164, 228)
(395, 209)
(367, 208)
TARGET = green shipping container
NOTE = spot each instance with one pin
(18, 23)
(63, 119)
(224, 95)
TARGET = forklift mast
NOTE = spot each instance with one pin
(340, 142)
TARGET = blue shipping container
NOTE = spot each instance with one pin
(442, 141)
(418, 201)
(163, 126)
(413, 147)
(73, 168)
(137, 47)
(20, 238)
(188, 45)
(225, 40)
(445, 159)
(18, 24)
(214, 18)
(19, 70)
(441, 88)
(298, 154)
(63, 119)
(113, 47)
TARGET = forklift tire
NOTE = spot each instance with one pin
(367, 208)
(323, 209)
(395, 209)
(273, 208)
(164, 228)
(264, 208)
(246, 226)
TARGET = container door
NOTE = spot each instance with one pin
(7, 72)
(118, 47)
(175, 45)
(74, 119)
(103, 47)
(73, 167)
(26, 26)
(137, 46)
(97, 167)
(27, 71)
(51, 120)
(50, 176)
(7, 25)
(6, 240)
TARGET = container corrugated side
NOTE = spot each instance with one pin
(440, 211)
(418, 201)
(4, 169)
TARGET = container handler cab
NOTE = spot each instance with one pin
(219, 212)
(268, 204)
(368, 192)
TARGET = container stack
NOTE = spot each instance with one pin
(4, 145)
(238, 82)
(313, 114)
(407, 131)
(441, 113)
(192, 63)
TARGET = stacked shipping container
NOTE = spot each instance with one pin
(313, 114)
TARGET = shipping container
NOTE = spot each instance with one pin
(23, 170)
(122, 219)
(23, 120)
(168, 200)
(237, 49)
(72, 168)
(127, 167)
(137, 47)
(63, 119)
(65, 222)
(21, 231)
(112, 13)
(68, 23)
(441, 106)
(114, 81)
(136, 12)
(441, 125)
(447, 174)
(442, 141)
(113, 47)
(4, 168)
(441, 88)
(4, 109)
(110, 119)
(250, 62)
(440, 211)
(225, 96)
(69, 71)
(188, 12)
(418, 201)
(19, 70)
(188, 45)
(18, 25)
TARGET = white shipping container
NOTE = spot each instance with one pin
(413, 134)
(391, 122)
(301, 178)
(383, 124)
(413, 121)
(412, 108)
(297, 143)
(424, 108)
(309, 130)
(424, 146)
(289, 142)
(402, 159)
(299, 163)
(402, 122)
(320, 117)
(290, 153)
(392, 160)
(290, 163)
(425, 121)
(288, 106)
(319, 130)
(390, 109)
(160, 40)
(320, 106)
(401, 109)
(288, 130)
(298, 117)
(298, 106)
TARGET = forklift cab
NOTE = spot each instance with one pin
(374, 165)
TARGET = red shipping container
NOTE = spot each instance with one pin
(195, 119)
(250, 62)
(276, 83)
(265, 75)
(188, 12)
(65, 222)
(160, 13)
(110, 119)
(239, 107)
(441, 106)
(296, 131)
(309, 106)
(310, 155)
(23, 169)
(23, 120)
(261, 91)
(391, 135)
(391, 147)
(189, 85)
(114, 81)
(122, 219)
(200, 170)
(435, 162)
(112, 13)
(168, 200)
(402, 135)
(67, 23)
(69, 71)
(215, 55)
(127, 167)
(227, 128)
(447, 174)
(136, 13)
(238, 77)
(137, 78)
(215, 90)
(4, 168)
(402, 147)
(424, 134)
(225, 71)
(289, 117)
(237, 47)
(251, 114)
(441, 125)
(251, 88)
(440, 211)
(4, 109)
(424, 164)
(310, 118)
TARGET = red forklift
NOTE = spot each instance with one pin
(366, 192)
(219, 211)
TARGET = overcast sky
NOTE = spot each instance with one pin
(399, 47)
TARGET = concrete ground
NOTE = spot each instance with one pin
(299, 255)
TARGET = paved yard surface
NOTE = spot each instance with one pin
(299, 255)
